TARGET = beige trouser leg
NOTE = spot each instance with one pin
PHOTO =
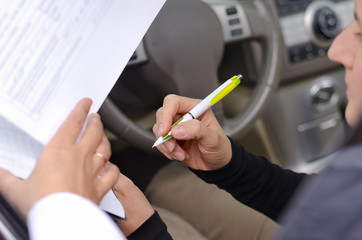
(211, 211)
(177, 227)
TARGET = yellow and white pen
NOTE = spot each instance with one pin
(204, 105)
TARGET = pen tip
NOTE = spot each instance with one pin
(153, 145)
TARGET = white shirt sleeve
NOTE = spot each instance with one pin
(70, 216)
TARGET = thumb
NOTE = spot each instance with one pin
(7, 182)
(12, 188)
(196, 130)
(123, 184)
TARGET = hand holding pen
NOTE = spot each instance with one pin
(202, 142)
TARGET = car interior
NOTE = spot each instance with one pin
(289, 106)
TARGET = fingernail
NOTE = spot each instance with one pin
(179, 156)
(95, 116)
(89, 101)
(169, 146)
(105, 168)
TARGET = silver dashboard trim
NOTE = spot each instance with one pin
(309, 17)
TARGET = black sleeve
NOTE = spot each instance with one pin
(254, 181)
(152, 229)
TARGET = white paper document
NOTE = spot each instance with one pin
(54, 53)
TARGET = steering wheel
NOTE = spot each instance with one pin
(185, 45)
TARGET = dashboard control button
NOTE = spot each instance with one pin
(325, 24)
(231, 11)
(237, 32)
(234, 21)
(323, 94)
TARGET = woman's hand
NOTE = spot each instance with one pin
(201, 143)
(66, 165)
(135, 204)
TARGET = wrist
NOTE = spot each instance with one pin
(222, 157)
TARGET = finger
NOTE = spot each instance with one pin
(121, 186)
(73, 124)
(102, 154)
(193, 130)
(13, 188)
(155, 128)
(122, 183)
(8, 182)
(177, 153)
(108, 179)
(163, 123)
(166, 154)
(93, 134)
(172, 150)
(105, 147)
(167, 147)
(173, 105)
(99, 161)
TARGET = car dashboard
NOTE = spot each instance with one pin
(307, 112)
(304, 120)
(303, 123)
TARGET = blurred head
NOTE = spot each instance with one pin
(347, 50)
